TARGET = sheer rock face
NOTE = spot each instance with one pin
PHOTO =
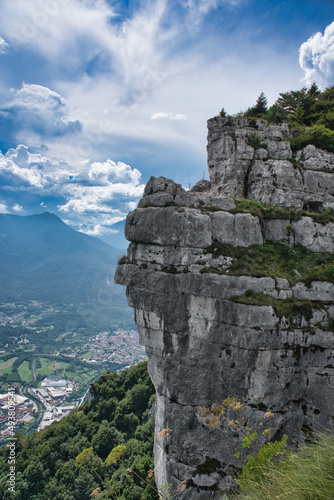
(203, 347)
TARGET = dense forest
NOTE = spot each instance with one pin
(71, 459)
(309, 113)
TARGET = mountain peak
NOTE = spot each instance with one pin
(48, 215)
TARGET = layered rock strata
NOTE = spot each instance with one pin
(203, 345)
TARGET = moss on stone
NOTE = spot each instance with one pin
(170, 269)
(145, 204)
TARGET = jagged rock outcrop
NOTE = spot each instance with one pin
(257, 162)
(204, 345)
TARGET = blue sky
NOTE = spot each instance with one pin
(96, 95)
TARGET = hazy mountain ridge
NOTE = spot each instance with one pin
(42, 258)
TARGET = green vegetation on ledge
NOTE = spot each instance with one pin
(123, 260)
(275, 260)
(287, 307)
(264, 211)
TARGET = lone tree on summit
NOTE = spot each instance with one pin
(261, 105)
(260, 108)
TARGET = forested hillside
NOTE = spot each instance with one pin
(67, 460)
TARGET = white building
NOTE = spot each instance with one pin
(54, 381)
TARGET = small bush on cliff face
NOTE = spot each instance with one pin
(254, 447)
(318, 135)
(269, 470)
(255, 141)
(254, 469)
(123, 260)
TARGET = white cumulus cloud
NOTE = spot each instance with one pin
(107, 189)
(38, 109)
(97, 199)
(102, 228)
(3, 46)
(17, 208)
(3, 208)
(316, 58)
(110, 171)
(20, 169)
(170, 116)
(98, 230)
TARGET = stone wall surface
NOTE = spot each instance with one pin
(204, 347)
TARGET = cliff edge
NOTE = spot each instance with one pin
(233, 299)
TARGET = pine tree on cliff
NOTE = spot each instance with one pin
(260, 108)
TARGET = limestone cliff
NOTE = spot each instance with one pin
(257, 162)
(205, 339)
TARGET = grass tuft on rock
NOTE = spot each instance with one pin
(306, 475)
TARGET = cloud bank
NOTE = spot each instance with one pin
(37, 110)
(316, 58)
(93, 200)
(92, 38)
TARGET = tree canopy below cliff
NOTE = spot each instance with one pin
(67, 460)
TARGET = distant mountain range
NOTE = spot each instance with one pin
(42, 258)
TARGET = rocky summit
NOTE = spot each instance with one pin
(220, 315)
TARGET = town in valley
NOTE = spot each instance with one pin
(50, 362)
